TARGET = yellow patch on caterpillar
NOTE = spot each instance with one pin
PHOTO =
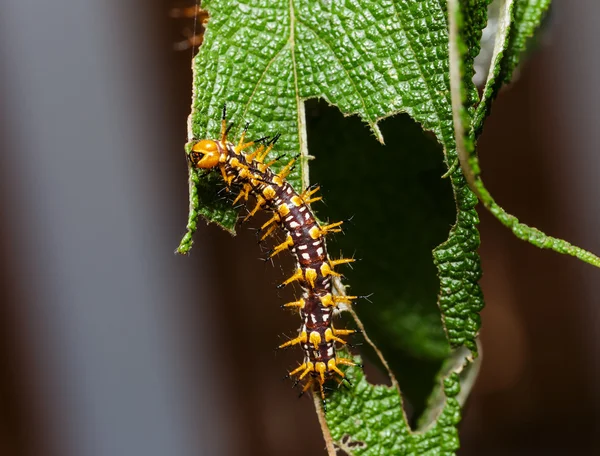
(327, 300)
(244, 173)
(327, 271)
(321, 368)
(315, 339)
(283, 209)
(331, 335)
(314, 232)
(238, 165)
(296, 201)
(332, 301)
(268, 192)
(332, 366)
(311, 276)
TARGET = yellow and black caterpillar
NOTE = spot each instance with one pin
(251, 175)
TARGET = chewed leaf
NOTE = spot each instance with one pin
(517, 22)
(512, 34)
(370, 58)
(374, 59)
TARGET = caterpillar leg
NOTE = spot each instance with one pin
(340, 382)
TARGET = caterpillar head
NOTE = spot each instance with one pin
(205, 154)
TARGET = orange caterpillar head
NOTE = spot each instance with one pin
(205, 154)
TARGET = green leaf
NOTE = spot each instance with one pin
(474, 19)
(373, 59)
(365, 421)
(510, 42)
(517, 22)
(396, 224)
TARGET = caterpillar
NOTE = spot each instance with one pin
(305, 238)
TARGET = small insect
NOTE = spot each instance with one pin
(251, 175)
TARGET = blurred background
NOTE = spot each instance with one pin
(112, 345)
